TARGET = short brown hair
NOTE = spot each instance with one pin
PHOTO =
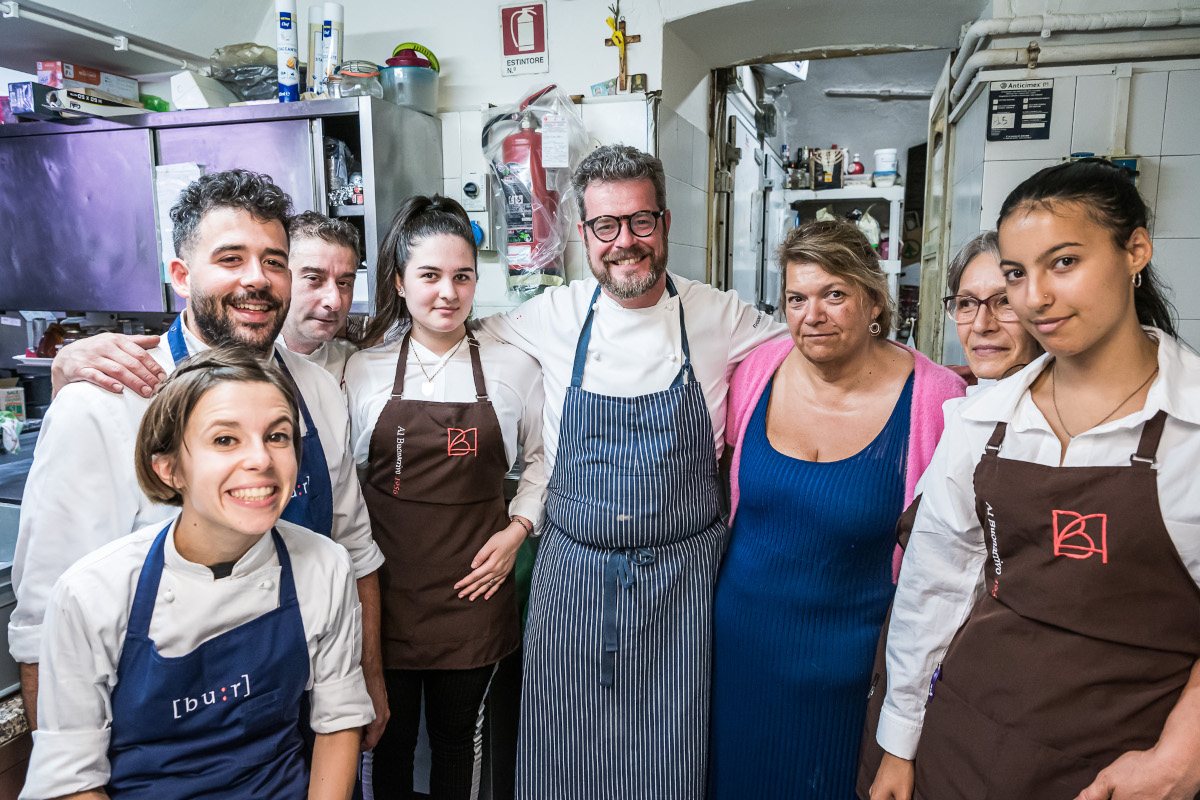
(164, 423)
(840, 249)
(315, 225)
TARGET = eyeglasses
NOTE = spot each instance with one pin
(963, 308)
(641, 224)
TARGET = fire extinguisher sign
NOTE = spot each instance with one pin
(523, 38)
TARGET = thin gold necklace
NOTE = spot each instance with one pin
(1057, 413)
(427, 386)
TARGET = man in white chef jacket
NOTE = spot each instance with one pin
(625, 333)
(232, 266)
(323, 258)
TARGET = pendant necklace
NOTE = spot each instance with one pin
(427, 386)
(1057, 413)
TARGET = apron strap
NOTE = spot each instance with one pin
(147, 587)
(176, 341)
(993, 445)
(309, 425)
(401, 366)
(477, 369)
(618, 573)
(1148, 445)
(287, 583)
(585, 338)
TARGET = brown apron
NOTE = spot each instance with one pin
(434, 490)
(1082, 643)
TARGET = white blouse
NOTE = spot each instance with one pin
(88, 614)
(635, 351)
(514, 386)
(947, 553)
(330, 356)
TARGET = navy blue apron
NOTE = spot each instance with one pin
(220, 721)
(311, 505)
(618, 647)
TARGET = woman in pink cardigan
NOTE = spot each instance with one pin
(830, 432)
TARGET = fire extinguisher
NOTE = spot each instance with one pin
(530, 205)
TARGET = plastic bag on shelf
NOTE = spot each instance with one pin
(248, 69)
(532, 148)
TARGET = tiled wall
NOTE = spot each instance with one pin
(1164, 128)
(684, 151)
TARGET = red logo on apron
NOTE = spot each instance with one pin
(1073, 535)
(460, 442)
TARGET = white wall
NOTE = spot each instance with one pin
(465, 36)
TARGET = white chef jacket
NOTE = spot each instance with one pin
(82, 491)
(514, 385)
(88, 614)
(330, 356)
(945, 557)
(635, 351)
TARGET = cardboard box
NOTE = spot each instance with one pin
(12, 400)
(827, 168)
(28, 100)
(61, 75)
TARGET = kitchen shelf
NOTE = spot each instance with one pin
(888, 193)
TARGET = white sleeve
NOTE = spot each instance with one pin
(70, 746)
(530, 499)
(81, 494)
(521, 327)
(936, 590)
(750, 328)
(351, 524)
(339, 692)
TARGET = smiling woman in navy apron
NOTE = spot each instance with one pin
(129, 707)
(437, 416)
(1077, 672)
(618, 646)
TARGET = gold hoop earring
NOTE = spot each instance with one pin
(875, 328)
(1137, 279)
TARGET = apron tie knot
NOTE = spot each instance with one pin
(618, 573)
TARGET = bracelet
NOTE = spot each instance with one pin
(524, 524)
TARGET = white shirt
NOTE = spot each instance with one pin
(88, 615)
(635, 351)
(514, 385)
(330, 356)
(82, 491)
(947, 554)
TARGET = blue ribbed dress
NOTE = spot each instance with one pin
(801, 598)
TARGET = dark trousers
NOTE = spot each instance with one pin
(454, 721)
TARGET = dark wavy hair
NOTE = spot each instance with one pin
(235, 188)
(1106, 192)
(165, 421)
(315, 225)
(418, 218)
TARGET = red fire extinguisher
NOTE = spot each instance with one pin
(530, 205)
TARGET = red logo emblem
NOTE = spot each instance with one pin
(461, 442)
(1075, 535)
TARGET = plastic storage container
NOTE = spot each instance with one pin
(885, 160)
(410, 80)
(360, 79)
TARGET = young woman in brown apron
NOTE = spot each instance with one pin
(1076, 673)
(437, 416)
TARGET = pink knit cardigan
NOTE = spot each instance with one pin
(932, 386)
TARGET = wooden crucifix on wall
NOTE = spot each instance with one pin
(621, 40)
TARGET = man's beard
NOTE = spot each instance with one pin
(213, 317)
(632, 287)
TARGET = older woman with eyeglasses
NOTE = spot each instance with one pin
(993, 339)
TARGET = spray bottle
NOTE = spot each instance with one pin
(331, 32)
(285, 48)
(316, 49)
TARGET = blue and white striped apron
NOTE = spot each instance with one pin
(618, 647)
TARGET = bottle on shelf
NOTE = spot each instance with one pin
(856, 167)
(784, 157)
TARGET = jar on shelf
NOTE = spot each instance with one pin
(360, 79)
